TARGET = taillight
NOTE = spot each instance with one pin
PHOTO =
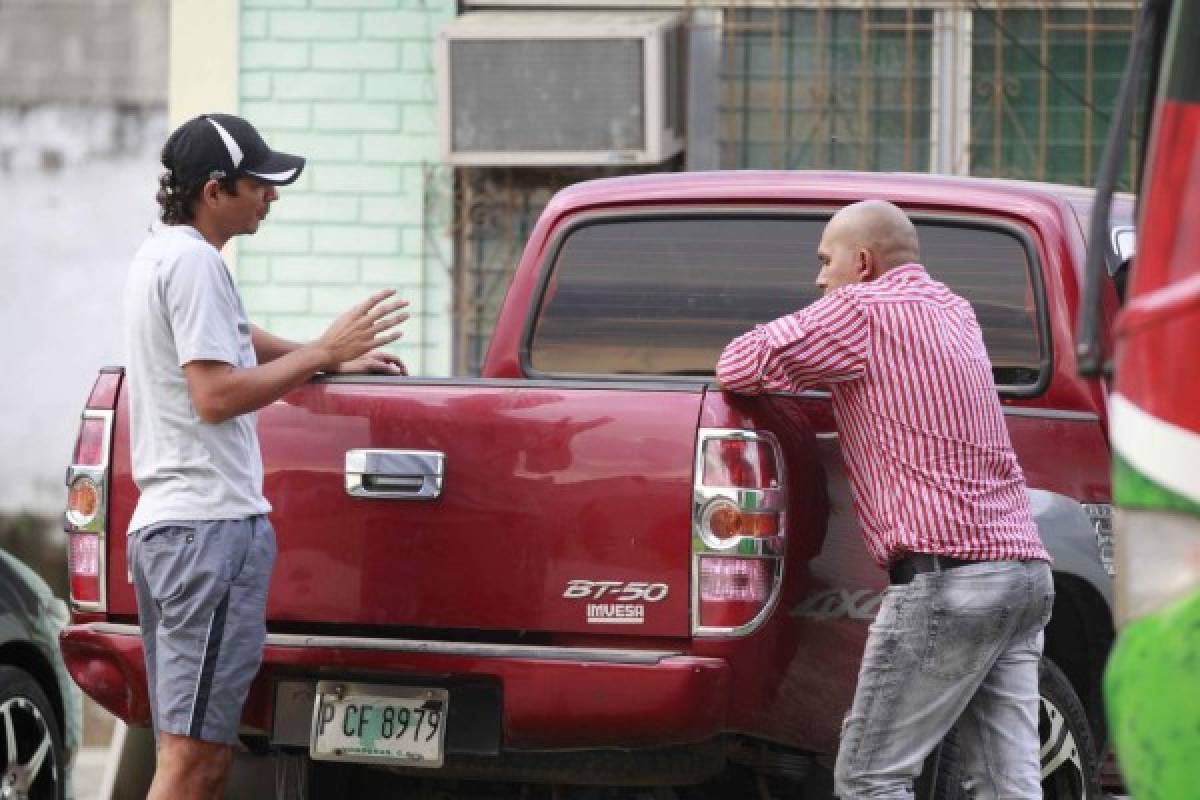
(723, 521)
(733, 590)
(86, 517)
(104, 390)
(741, 463)
(738, 527)
(89, 447)
(83, 558)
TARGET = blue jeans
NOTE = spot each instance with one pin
(957, 647)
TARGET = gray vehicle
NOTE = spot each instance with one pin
(40, 706)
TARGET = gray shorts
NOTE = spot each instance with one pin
(202, 598)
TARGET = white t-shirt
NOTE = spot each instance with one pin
(181, 305)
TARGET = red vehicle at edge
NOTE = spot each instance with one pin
(1154, 414)
(603, 568)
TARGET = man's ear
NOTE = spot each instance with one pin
(866, 264)
(212, 188)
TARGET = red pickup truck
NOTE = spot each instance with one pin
(590, 565)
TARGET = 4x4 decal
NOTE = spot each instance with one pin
(834, 603)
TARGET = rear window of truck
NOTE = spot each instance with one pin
(662, 296)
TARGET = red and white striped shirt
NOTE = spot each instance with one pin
(929, 458)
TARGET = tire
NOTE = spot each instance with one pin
(1070, 766)
(31, 743)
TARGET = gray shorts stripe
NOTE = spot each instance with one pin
(202, 595)
(212, 651)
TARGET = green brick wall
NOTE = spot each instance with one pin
(350, 85)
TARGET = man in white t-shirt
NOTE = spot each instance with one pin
(200, 547)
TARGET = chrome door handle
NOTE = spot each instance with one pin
(395, 474)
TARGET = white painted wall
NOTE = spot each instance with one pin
(92, 52)
(66, 237)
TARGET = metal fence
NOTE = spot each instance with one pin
(476, 225)
(1005, 89)
(841, 89)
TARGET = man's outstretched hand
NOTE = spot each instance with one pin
(361, 331)
(376, 362)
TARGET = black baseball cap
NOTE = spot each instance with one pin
(230, 145)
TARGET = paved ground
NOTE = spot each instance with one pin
(90, 766)
(88, 772)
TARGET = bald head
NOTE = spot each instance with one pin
(864, 240)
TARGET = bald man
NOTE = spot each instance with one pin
(942, 505)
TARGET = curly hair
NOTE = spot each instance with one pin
(177, 197)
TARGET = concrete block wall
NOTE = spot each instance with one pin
(350, 85)
(94, 53)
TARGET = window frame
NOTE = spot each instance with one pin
(546, 268)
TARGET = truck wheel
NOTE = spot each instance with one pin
(1070, 767)
(31, 744)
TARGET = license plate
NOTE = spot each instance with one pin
(378, 724)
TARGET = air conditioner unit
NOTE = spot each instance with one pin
(561, 87)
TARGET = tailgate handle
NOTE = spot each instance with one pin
(395, 474)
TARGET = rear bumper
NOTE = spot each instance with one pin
(551, 698)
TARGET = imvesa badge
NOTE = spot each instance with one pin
(626, 601)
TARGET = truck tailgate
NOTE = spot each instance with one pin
(544, 488)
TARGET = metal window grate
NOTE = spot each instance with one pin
(830, 87)
(820, 88)
(1042, 89)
